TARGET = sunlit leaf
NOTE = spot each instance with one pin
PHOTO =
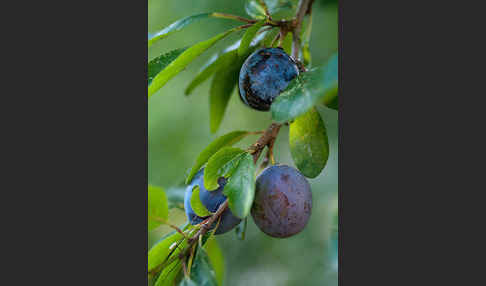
(159, 63)
(220, 61)
(196, 204)
(240, 188)
(248, 37)
(308, 143)
(221, 164)
(174, 27)
(222, 86)
(277, 8)
(183, 60)
(157, 206)
(225, 140)
(161, 250)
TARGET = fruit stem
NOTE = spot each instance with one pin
(265, 140)
(233, 17)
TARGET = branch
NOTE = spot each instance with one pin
(304, 8)
(233, 17)
(265, 140)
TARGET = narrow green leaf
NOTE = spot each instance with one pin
(240, 188)
(331, 77)
(222, 86)
(287, 43)
(223, 60)
(221, 164)
(308, 143)
(157, 206)
(301, 94)
(174, 27)
(255, 8)
(169, 274)
(225, 140)
(197, 205)
(160, 251)
(248, 37)
(183, 60)
(240, 229)
(216, 259)
(159, 63)
(201, 272)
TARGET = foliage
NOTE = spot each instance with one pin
(190, 255)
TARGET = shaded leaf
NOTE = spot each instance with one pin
(225, 140)
(157, 206)
(308, 143)
(331, 78)
(222, 86)
(301, 94)
(201, 272)
(174, 27)
(240, 229)
(159, 63)
(221, 164)
(183, 60)
(267, 41)
(240, 188)
(197, 205)
(216, 259)
(223, 60)
(248, 37)
(187, 282)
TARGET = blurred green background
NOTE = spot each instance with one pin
(178, 129)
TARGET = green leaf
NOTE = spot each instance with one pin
(159, 63)
(187, 282)
(225, 140)
(197, 205)
(301, 94)
(248, 37)
(216, 259)
(255, 8)
(223, 60)
(222, 86)
(183, 60)
(240, 188)
(308, 143)
(201, 272)
(174, 27)
(287, 43)
(240, 229)
(267, 41)
(160, 251)
(221, 164)
(331, 78)
(157, 206)
(169, 274)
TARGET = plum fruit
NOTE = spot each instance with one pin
(283, 201)
(211, 200)
(264, 75)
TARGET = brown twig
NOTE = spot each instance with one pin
(264, 140)
(234, 17)
(304, 8)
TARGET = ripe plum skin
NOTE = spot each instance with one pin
(283, 201)
(264, 75)
(211, 200)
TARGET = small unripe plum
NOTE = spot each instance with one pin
(211, 200)
(264, 75)
(283, 201)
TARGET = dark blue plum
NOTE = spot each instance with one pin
(283, 201)
(211, 200)
(264, 75)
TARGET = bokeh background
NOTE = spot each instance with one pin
(178, 129)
